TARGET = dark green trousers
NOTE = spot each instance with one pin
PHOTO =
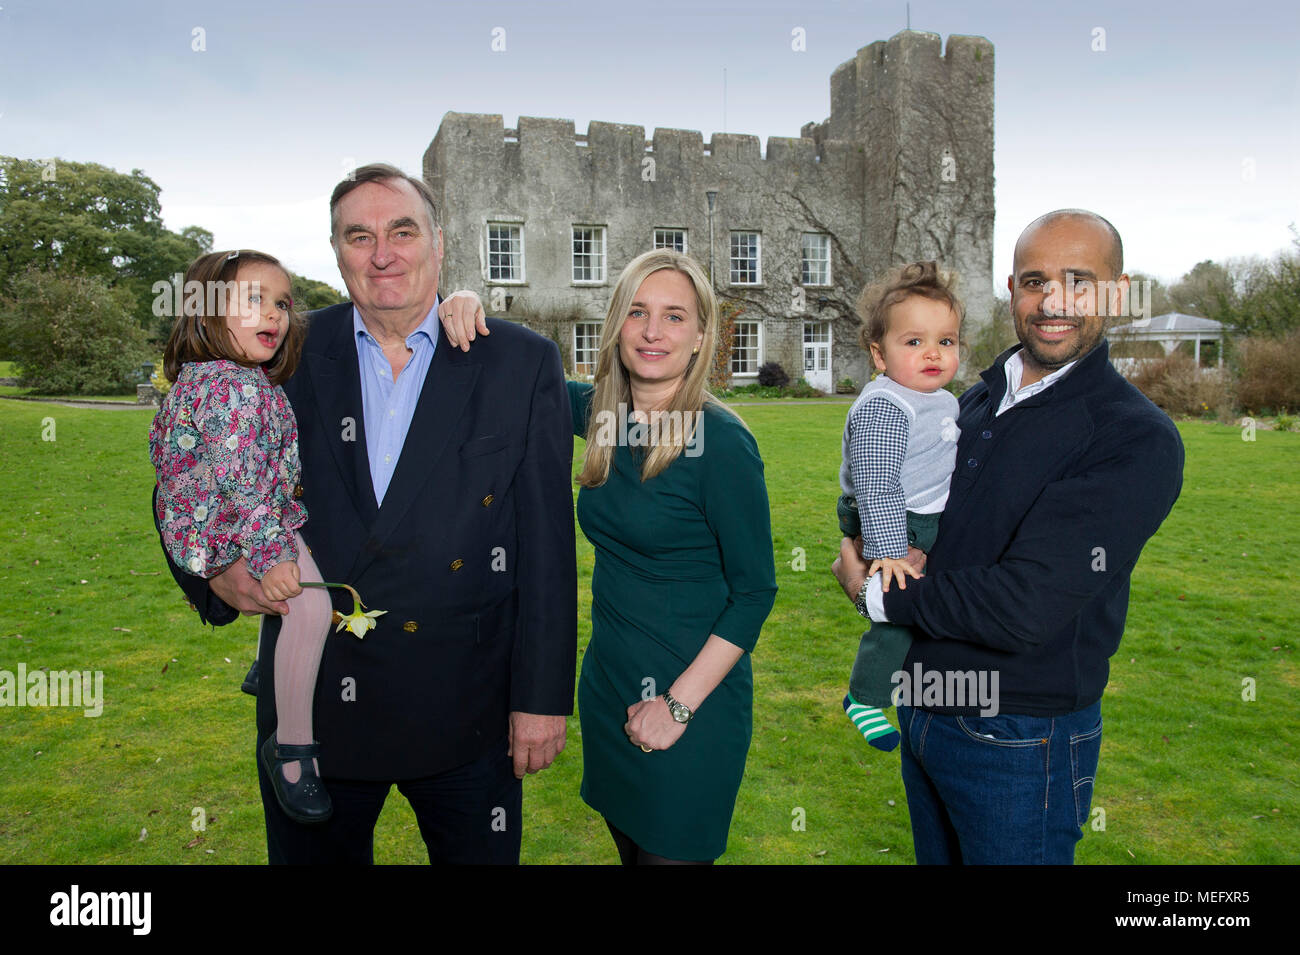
(882, 651)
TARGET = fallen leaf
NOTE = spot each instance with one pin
(227, 659)
(882, 850)
(193, 842)
(820, 854)
(122, 629)
(1130, 852)
(1165, 738)
(153, 812)
(1182, 596)
(890, 801)
(144, 834)
(165, 666)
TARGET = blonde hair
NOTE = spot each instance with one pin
(613, 387)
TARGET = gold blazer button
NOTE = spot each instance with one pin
(457, 564)
(297, 490)
(487, 500)
(410, 626)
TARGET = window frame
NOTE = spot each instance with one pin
(573, 253)
(758, 349)
(518, 226)
(594, 347)
(803, 259)
(654, 238)
(757, 260)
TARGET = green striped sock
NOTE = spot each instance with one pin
(871, 723)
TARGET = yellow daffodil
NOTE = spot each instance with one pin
(357, 622)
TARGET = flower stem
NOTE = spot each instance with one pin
(323, 583)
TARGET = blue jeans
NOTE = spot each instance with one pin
(1002, 789)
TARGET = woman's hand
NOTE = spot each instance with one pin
(461, 313)
(650, 724)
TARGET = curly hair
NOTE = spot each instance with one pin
(925, 279)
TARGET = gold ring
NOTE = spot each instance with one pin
(646, 749)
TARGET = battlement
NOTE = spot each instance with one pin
(558, 137)
(908, 65)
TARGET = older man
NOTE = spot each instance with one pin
(438, 484)
(1064, 471)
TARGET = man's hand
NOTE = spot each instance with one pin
(238, 588)
(849, 568)
(535, 741)
(461, 313)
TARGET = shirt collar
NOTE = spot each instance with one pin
(428, 328)
(1015, 372)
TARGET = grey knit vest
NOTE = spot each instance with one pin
(931, 444)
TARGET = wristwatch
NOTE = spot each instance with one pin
(680, 711)
(860, 604)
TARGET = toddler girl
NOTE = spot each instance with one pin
(225, 447)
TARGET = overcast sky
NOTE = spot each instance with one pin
(1184, 131)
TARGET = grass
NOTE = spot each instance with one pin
(1190, 772)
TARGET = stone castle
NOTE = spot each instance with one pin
(902, 170)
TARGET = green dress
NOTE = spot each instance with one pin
(679, 557)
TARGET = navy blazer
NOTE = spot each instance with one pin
(471, 554)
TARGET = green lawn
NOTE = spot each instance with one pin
(1190, 772)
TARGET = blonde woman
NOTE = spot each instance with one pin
(673, 500)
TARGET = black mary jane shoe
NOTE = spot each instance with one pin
(305, 801)
(251, 680)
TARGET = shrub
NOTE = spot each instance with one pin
(1285, 422)
(773, 375)
(72, 334)
(1179, 387)
(1268, 374)
(801, 389)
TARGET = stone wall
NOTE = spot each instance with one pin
(902, 169)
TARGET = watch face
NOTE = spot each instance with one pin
(680, 713)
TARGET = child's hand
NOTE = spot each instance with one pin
(893, 568)
(281, 581)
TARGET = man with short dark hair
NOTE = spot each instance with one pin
(1064, 471)
(438, 484)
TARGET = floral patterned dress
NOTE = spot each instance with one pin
(225, 447)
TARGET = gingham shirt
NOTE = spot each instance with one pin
(878, 433)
